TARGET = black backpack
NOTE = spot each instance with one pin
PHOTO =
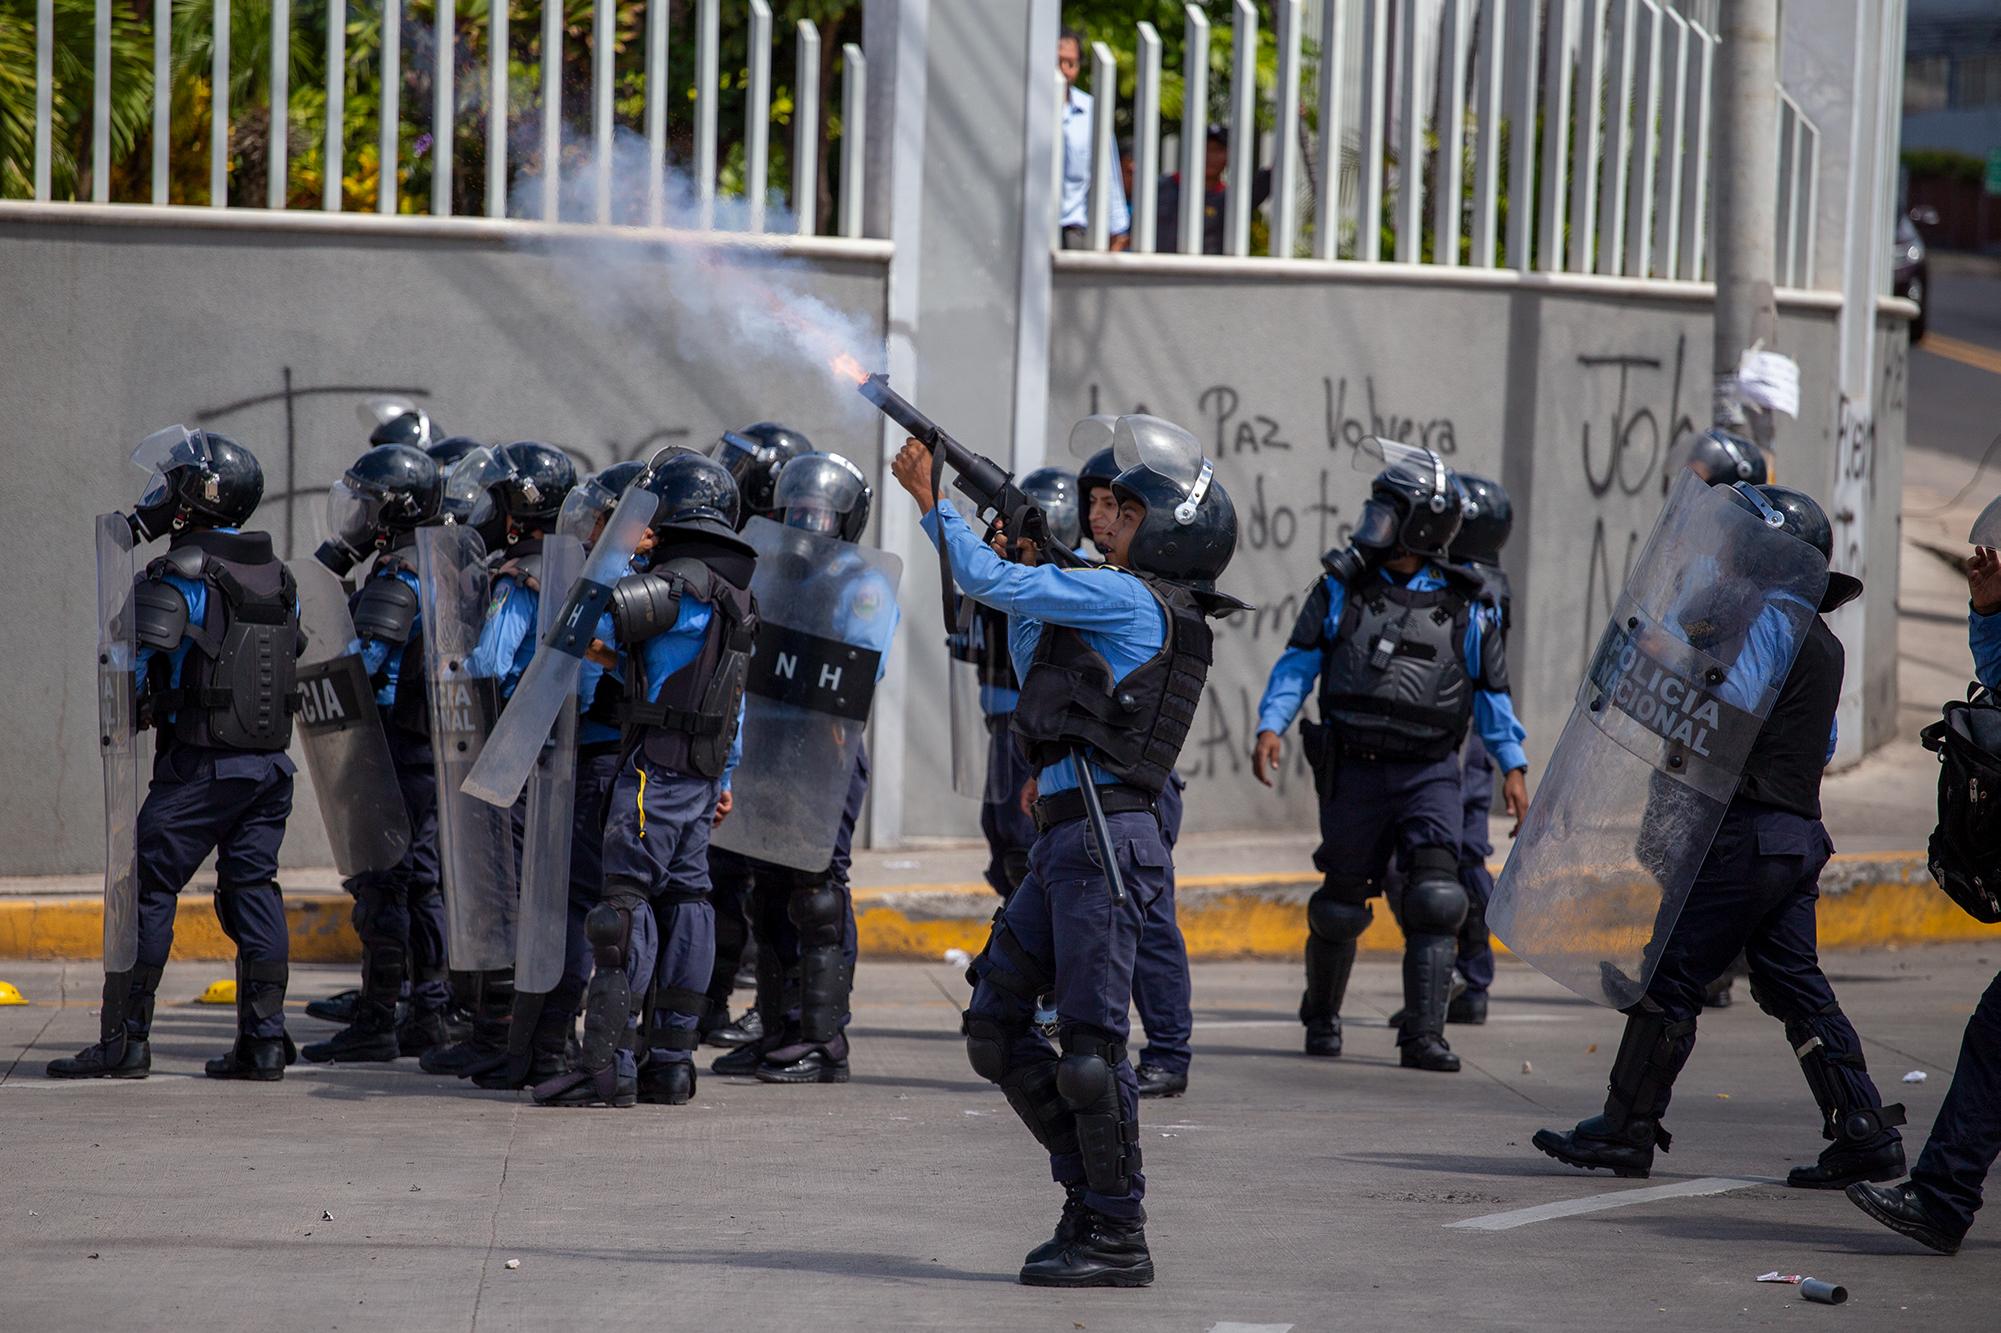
(1965, 852)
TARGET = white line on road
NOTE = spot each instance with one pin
(1598, 1203)
(1250, 1328)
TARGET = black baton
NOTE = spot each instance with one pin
(1101, 832)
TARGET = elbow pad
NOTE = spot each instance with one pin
(644, 605)
(160, 613)
(1494, 661)
(384, 610)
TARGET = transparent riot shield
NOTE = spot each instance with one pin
(827, 613)
(340, 730)
(1987, 528)
(1682, 679)
(551, 678)
(552, 790)
(475, 839)
(118, 738)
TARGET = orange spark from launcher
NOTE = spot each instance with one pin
(847, 366)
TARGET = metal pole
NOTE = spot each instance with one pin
(1104, 106)
(604, 13)
(1668, 163)
(163, 28)
(1556, 127)
(1487, 138)
(100, 106)
(1327, 208)
(1746, 185)
(443, 105)
(277, 167)
(1243, 166)
(496, 111)
(806, 130)
(1194, 128)
(1451, 127)
(1410, 153)
(392, 104)
(757, 114)
(1521, 140)
(1646, 140)
(1285, 170)
(1584, 193)
(1611, 223)
(45, 45)
(707, 92)
(1695, 154)
(854, 137)
(334, 167)
(1375, 71)
(552, 110)
(218, 133)
(1146, 143)
(656, 112)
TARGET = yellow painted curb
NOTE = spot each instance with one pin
(1865, 900)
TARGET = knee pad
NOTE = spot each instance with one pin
(1434, 902)
(1088, 1084)
(609, 930)
(986, 1046)
(1338, 914)
(1084, 1080)
(816, 911)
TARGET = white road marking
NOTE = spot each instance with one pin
(1598, 1203)
(1249, 1328)
(1208, 1024)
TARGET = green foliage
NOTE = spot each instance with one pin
(1941, 163)
(72, 82)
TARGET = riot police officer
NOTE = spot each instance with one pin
(684, 627)
(521, 493)
(1755, 893)
(755, 456)
(1112, 664)
(1408, 657)
(375, 510)
(1162, 988)
(803, 917)
(217, 635)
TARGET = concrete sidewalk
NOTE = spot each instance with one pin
(1283, 1192)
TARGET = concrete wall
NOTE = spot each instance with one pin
(109, 330)
(1572, 391)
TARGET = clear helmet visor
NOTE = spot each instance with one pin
(354, 515)
(1409, 462)
(468, 496)
(824, 480)
(382, 409)
(162, 452)
(584, 508)
(1092, 434)
(813, 515)
(1161, 447)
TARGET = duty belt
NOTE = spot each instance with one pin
(1063, 806)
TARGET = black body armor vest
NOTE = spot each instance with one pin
(691, 725)
(1134, 728)
(1393, 678)
(1790, 753)
(237, 689)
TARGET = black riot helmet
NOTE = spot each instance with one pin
(754, 456)
(594, 499)
(1189, 532)
(1056, 493)
(505, 492)
(698, 497)
(1488, 516)
(824, 493)
(450, 450)
(1723, 459)
(394, 420)
(1414, 504)
(1798, 514)
(385, 493)
(196, 479)
(447, 454)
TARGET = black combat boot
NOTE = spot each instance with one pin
(1154, 1081)
(743, 1032)
(1103, 1252)
(1328, 965)
(1623, 1139)
(336, 1008)
(370, 1038)
(254, 1059)
(1323, 1036)
(1863, 1143)
(667, 1082)
(491, 1021)
(1427, 981)
(1903, 1210)
(805, 1062)
(1468, 1007)
(1069, 1224)
(117, 1053)
(424, 1030)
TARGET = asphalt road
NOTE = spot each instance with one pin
(1285, 1193)
(1955, 408)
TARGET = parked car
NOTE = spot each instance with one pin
(1912, 276)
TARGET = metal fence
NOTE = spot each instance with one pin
(1415, 131)
(441, 119)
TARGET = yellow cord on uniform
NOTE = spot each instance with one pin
(642, 798)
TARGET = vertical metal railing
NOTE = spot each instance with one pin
(163, 94)
(1451, 129)
(496, 110)
(218, 134)
(1146, 143)
(100, 110)
(1375, 95)
(1695, 154)
(444, 105)
(1639, 240)
(278, 163)
(757, 115)
(1194, 129)
(1488, 87)
(656, 112)
(45, 86)
(1592, 97)
(805, 128)
(390, 138)
(604, 19)
(1243, 165)
(1555, 149)
(707, 94)
(1327, 195)
(552, 110)
(332, 185)
(1611, 173)
(1669, 160)
(1104, 109)
(1410, 146)
(1521, 136)
(1285, 167)
(854, 134)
